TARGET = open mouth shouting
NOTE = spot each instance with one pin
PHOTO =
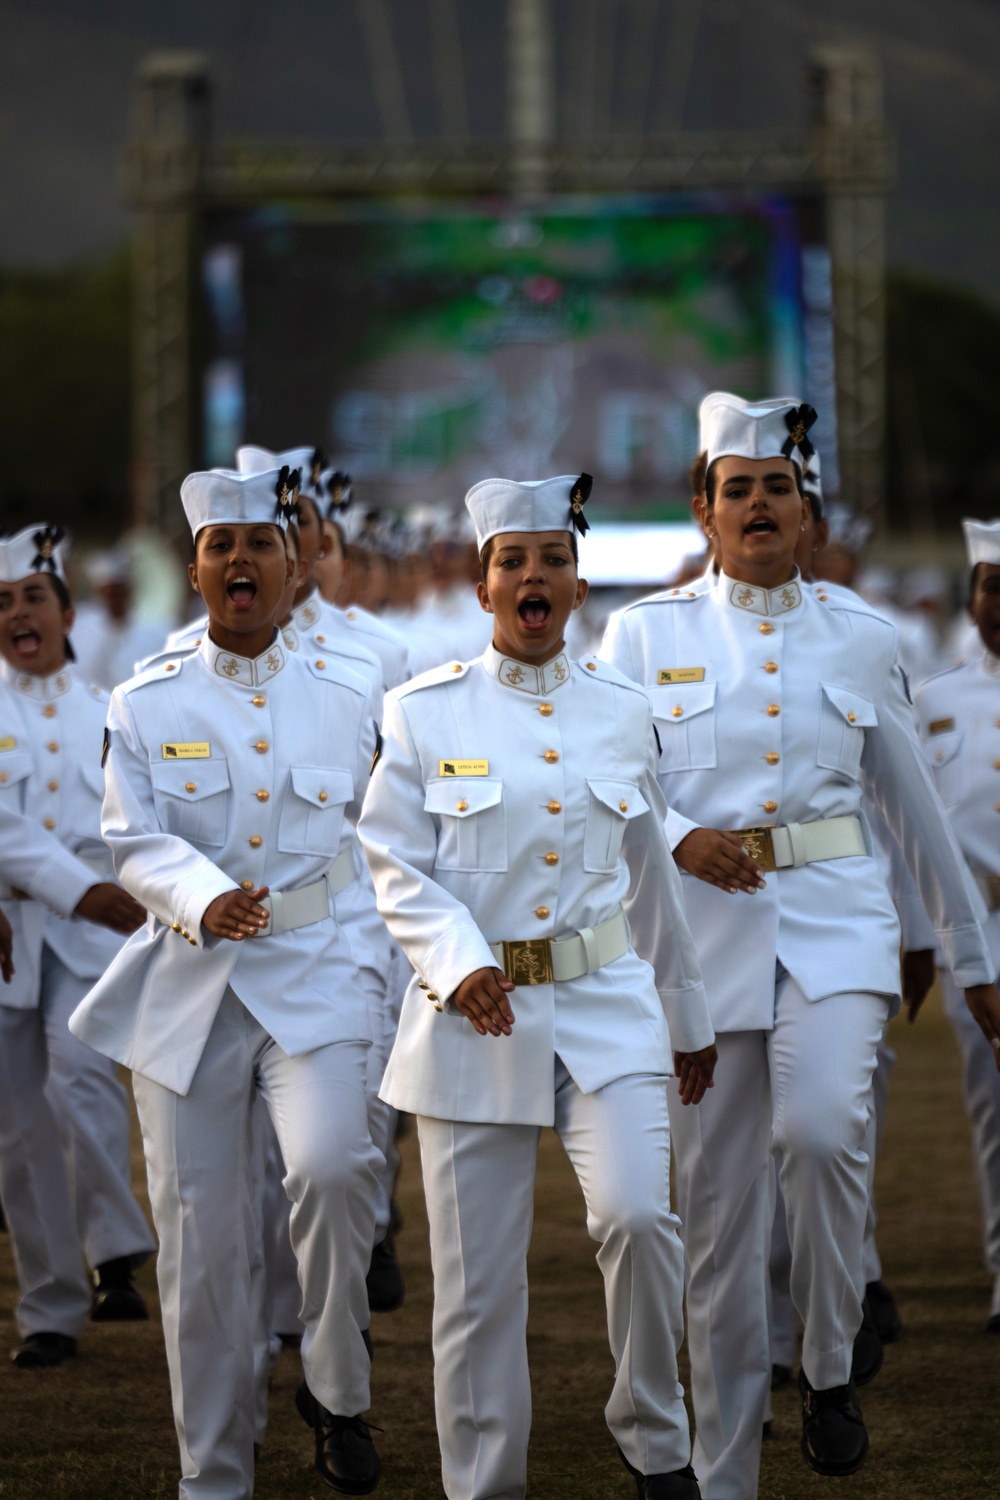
(760, 526)
(242, 591)
(26, 642)
(534, 611)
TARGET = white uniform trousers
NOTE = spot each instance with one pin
(803, 1091)
(199, 1158)
(283, 1295)
(65, 1176)
(479, 1184)
(982, 1102)
(783, 1319)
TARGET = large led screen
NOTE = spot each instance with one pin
(429, 344)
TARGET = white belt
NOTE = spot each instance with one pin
(796, 844)
(989, 885)
(554, 960)
(309, 903)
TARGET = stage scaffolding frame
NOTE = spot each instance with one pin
(176, 172)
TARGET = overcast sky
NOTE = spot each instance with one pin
(300, 68)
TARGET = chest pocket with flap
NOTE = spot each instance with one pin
(312, 814)
(844, 715)
(685, 722)
(15, 768)
(941, 751)
(611, 805)
(472, 820)
(191, 798)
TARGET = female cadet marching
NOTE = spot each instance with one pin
(67, 1191)
(773, 706)
(958, 713)
(229, 773)
(312, 614)
(513, 813)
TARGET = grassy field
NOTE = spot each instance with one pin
(100, 1428)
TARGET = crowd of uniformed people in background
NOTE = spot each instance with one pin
(388, 816)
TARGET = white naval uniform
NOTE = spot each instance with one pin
(538, 833)
(75, 1194)
(223, 772)
(378, 960)
(776, 706)
(958, 714)
(318, 616)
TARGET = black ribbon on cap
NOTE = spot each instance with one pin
(46, 541)
(316, 466)
(287, 491)
(339, 490)
(798, 420)
(578, 497)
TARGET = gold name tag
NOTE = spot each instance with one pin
(187, 750)
(940, 726)
(463, 768)
(8, 742)
(680, 674)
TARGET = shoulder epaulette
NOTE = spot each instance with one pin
(603, 671)
(451, 671)
(956, 666)
(668, 596)
(333, 669)
(163, 670)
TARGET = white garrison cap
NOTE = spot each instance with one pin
(222, 497)
(756, 429)
(36, 549)
(982, 541)
(499, 505)
(310, 463)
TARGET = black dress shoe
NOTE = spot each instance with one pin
(834, 1437)
(386, 1288)
(868, 1355)
(781, 1376)
(681, 1484)
(40, 1351)
(884, 1311)
(345, 1454)
(116, 1297)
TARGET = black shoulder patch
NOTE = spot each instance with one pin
(656, 736)
(106, 747)
(378, 750)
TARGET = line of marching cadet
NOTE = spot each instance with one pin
(653, 897)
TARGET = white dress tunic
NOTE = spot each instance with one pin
(227, 772)
(958, 714)
(511, 803)
(775, 708)
(56, 1095)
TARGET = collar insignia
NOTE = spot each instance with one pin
(536, 680)
(766, 601)
(246, 672)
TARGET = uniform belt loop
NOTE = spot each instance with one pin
(797, 840)
(590, 946)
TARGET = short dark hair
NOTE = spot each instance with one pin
(487, 552)
(710, 477)
(698, 471)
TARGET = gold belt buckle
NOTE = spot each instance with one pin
(758, 843)
(528, 961)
